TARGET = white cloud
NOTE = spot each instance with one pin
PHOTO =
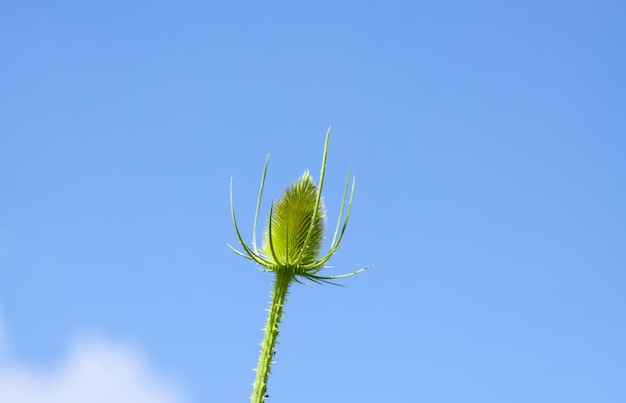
(94, 371)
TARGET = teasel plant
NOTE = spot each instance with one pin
(290, 250)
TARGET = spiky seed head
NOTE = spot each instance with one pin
(290, 224)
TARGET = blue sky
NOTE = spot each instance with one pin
(488, 142)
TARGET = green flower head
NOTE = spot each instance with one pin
(295, 229)
(290, 222)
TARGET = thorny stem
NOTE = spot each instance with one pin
(284, 278)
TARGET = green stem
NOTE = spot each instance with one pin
(279, 296)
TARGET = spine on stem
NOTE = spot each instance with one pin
(279, 296)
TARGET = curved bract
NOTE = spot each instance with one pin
(295, 230)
